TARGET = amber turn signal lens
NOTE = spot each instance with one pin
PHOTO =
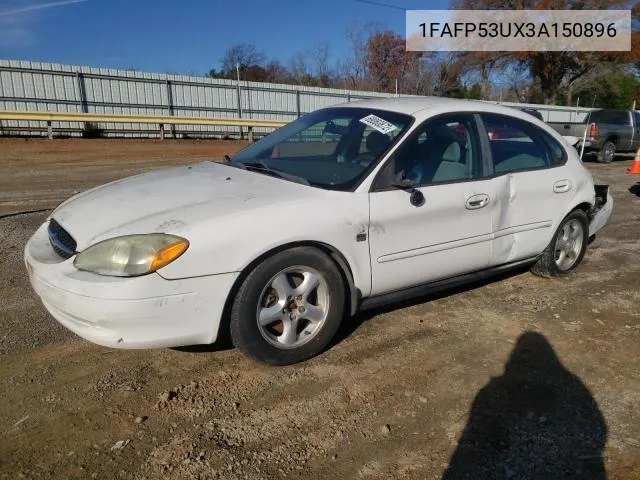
(168, 254)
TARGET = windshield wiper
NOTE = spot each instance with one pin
(260, 166)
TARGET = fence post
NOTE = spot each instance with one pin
(161, 131)
(82, 95)
(298, 103)
(240, 106)
(250, 134)
(170, 106)
(49, 130)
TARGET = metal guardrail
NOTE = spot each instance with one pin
(160, 120)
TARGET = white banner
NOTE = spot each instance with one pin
(518, 30)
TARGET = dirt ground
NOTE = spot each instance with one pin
(520, 377)
(38, 174)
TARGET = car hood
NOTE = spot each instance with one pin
(172, 200)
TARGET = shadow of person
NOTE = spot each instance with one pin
(536, 421)
(635, 189)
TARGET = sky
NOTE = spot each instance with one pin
(188, 36)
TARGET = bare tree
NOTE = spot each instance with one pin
(243, 54)
(277, 73)
(320, 56)
(353, 67)
(300, 69)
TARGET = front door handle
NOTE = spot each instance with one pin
(477, 201)
(562, 186)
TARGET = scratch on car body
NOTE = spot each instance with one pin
(169, 225)
(377, 227)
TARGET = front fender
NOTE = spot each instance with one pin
(231, 243)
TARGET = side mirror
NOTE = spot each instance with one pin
(333, 128)
(416, 198)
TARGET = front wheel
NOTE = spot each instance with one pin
(567, 248)
(289, 307)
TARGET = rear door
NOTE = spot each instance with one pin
(533, 187)
(449, 232)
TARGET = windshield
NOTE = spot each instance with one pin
(331, 148)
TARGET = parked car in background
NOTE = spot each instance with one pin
(346, 208)
(607, 132)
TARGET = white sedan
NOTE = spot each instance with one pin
(344, 209)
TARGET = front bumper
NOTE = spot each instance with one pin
(137, 312)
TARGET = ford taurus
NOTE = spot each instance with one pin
(344, 209)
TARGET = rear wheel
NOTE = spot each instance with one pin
(607, 152)
(289, 307)
(567, 248)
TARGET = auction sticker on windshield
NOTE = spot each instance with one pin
(378, 123)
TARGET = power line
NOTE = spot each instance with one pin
(396, 7)
(379, 4)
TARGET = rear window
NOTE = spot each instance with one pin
(519, 145)
(616, 117)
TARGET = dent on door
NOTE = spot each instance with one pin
(523, 214)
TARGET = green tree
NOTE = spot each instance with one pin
(555, 71)
(474, 92)
(610, 89)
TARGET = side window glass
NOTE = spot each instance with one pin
(596, 117)
(558, 154)
(516, 144)
(614, 117)
(445, 149)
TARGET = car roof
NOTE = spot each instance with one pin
(407, 105)
(420, 106)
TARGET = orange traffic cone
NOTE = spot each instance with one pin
(635, 166)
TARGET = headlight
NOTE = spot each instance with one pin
(131, 255)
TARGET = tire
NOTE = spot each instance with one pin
(549, 264)
(305, 319)
(607, 152)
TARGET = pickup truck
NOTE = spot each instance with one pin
(608, 132)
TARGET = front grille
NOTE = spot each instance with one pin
(63, 243)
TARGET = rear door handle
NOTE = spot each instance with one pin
(477, 201)
(562, 186)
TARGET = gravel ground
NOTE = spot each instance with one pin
(520, 377)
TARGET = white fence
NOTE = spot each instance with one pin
(46, 87)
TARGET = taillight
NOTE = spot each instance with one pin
(594, 131)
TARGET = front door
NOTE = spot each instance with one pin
(447, 233)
